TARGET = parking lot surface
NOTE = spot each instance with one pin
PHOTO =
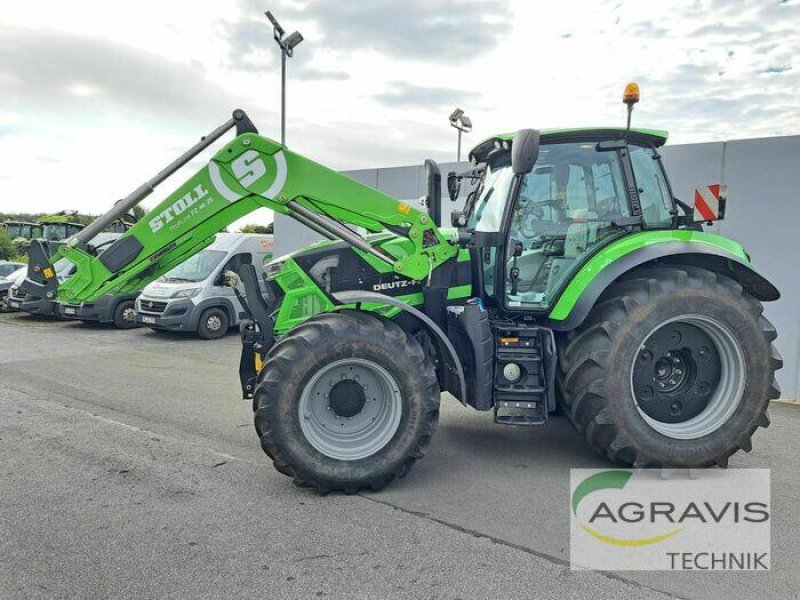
(131, 469)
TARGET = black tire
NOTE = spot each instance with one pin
(306, 350)
(124, 315)
(213, 324)
(597, 362)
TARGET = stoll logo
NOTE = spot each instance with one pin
(650, 519)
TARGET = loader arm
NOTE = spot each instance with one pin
(248, 173)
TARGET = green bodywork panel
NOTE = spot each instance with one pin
(303, 298)
(619, 248)
(249, 173)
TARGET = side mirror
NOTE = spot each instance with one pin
(453, 185)
(433, 179)
(524, 151)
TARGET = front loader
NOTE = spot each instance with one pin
(571, 281)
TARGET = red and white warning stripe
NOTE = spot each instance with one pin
(709, 202)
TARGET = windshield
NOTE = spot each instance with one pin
(23, 230)
(197, 268)
(488, 212)
(55, 231)
(14, 274)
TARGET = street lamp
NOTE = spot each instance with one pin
(461, 122)
(287, 44)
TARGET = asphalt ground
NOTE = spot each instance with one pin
(130, 469)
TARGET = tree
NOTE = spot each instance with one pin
(7, 248)
(252, 228)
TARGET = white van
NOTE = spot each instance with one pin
(193, 296)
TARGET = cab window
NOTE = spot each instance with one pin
(653, 192)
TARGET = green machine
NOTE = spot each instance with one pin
(572, 282)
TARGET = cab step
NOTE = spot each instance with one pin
(520, 413)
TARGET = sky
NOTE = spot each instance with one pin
(98, 96)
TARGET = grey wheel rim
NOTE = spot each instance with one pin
(214, 323)
(727, 394)
(129, 315)
(369, 399)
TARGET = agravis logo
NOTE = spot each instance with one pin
(652, 519)
(612, 480)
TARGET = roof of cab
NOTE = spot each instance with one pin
(656, 137)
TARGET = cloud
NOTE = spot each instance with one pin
(402, 94)
(429, 30)
(776, 69)
(57, 72)
(251, 48)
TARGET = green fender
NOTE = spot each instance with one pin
(676, 247)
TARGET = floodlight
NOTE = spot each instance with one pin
(292, 40)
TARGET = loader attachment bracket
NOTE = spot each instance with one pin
(41, 280)
(256, 331)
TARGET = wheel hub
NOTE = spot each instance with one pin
(688, 377)
(350, 409)
(347, 398)
(676, 370)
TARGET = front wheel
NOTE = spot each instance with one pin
(213, 324)
(674, 367)
(346, 401)
(125, 315)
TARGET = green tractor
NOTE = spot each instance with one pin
(59, 226)
(22, 232)
(573, 281)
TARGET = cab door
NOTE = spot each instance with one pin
(565, 211)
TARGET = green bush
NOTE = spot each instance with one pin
(7, 248)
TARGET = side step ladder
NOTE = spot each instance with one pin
(520, 384)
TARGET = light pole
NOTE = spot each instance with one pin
(286, 44)
(461, 122)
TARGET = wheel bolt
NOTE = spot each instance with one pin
(678, 371)
(646, 356)
(328, 407)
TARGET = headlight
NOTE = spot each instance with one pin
(187, 293)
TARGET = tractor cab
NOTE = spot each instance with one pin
(586, 189)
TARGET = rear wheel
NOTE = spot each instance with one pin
(125, 315)
(346, 401)
(673, 367)
(213, 324)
